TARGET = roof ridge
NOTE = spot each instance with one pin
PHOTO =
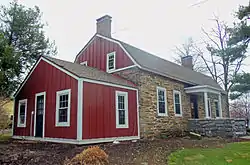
(149, 53)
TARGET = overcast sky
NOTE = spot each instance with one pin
(156, 26)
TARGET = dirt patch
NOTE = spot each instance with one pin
(142, 152)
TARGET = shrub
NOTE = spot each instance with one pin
(90, 156)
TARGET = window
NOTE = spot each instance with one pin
(161, 101)
(209, 107)
(177, 103)
(217, 109)
(22, 113)
(63, 108)
(85, 63)
(110, 61)
(121, 109)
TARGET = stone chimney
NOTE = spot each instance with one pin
(187, 61)
(103, 26)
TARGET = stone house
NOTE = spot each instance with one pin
(115, 91)
(169, 94)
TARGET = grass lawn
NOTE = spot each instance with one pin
(233, 154)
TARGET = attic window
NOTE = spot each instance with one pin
(110, 62)
(84, 63)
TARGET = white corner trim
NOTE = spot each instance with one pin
(79, 109)
(107, 84)
(79, 142)
(120, 69)
(44, 106)
(107, 61)
(177, 92)
(165, 100)
(125, 95)
(25, 101)
(58, 93)
(85, 63)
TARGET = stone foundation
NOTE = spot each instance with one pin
(218, 127)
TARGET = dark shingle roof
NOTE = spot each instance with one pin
(167, 68)
(89, 72)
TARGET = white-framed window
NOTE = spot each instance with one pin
(121, 109)
(22, 113)
(161, 101)
(85, 63)
(63, 108)
(177, 103)
(217, 108)
(209, 107)
(110, 62)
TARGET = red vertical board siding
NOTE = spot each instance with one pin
(97, 51)
(99, 112)
(49, 79)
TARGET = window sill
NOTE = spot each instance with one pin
(21, 125)
(121, 126)
(62, 125)
(162, 115)
(178, 115)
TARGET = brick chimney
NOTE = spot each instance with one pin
(187, 61)
(103, 26)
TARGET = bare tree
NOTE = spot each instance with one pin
(223, 61)
(189, 48)
(240, 108)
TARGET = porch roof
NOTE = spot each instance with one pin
(204, 88)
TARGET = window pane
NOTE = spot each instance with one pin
(217, 109)
(111, 61)
(162, 107)
(177, 109)
(121, 116)
(63, 115)
(22, 119)
(22, 109)
(177, 98)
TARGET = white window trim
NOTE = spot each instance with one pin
(107, 62)
(84, 63)
(125, 94)
(165, 96)
(58, 93)
(177, 92)
(217, 101)
(18, 119)
(209, 107)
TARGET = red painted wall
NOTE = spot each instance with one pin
(49, 79)
(97, 51)
(99, 115)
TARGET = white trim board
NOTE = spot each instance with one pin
(44, 106)
(74, 141)
(79, 109)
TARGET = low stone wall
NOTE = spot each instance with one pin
(218, 127)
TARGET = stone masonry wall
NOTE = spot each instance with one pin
(150, 123)
(218, 127)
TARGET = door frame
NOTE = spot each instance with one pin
(44, 105)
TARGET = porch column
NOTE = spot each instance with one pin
(206, 105)
(220, 105)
